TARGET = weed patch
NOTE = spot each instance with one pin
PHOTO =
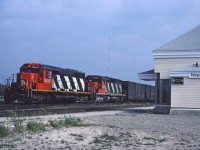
(66, 122)
(56, 123)
(69, 121)
(7, 146)
(35, 126)
(3, 130)
(18, 122)
(154, 139)
(78, 137)
(105, 138)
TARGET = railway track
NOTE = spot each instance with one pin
(9, 110)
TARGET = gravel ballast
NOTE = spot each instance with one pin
(114, 130)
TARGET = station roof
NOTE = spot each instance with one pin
(189, 41)
(147, 75)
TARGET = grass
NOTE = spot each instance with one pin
(79, 137)
(18, 121)
(62, 141)
(127, 144)
(19, 127)
(3, 130)
(66, 122)
(105, 138)
(69, 121)
(56, 123)
(117, 144)
(154, 140)
(125, 134)
(108, 137)
(7, 146)
(35, 126)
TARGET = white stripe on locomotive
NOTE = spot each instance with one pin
(120, 88)
(68, 82)
(75, 83)
(108, 87)
(83, 84)
(112, 86)
(60, 82)
(116, 86)
(54, 85)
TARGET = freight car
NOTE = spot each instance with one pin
(44, 83)
(138, 92)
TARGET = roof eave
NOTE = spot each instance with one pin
(176, 53)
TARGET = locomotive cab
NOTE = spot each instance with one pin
(34, 76)
(31, 77)
(95, 84)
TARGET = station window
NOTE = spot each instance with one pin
(178, 80)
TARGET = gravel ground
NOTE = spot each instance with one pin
(115, 130)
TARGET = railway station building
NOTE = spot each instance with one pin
(177, 73)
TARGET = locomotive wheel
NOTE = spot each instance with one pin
(9, 98)
(28, 101)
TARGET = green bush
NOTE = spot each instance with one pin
(3, 131)
(69, 121)
(19, 124)
(18, 121)
(56, 123)
(19, 127)
(35, 126)
(105, 138)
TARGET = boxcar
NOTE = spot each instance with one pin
(129, 89)
(138, 92)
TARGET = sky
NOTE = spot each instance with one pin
(78, 34)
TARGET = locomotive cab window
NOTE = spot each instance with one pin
(100, 85)
(48, 74)
(40, 72)
(178, 81)
(30, 70)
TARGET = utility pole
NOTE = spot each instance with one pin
(108, 56)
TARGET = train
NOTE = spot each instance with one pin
(42, 83)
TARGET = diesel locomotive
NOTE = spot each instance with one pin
(44, 84)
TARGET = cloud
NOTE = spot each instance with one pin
(74, 33)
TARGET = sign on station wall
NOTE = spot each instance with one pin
(194, 75)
